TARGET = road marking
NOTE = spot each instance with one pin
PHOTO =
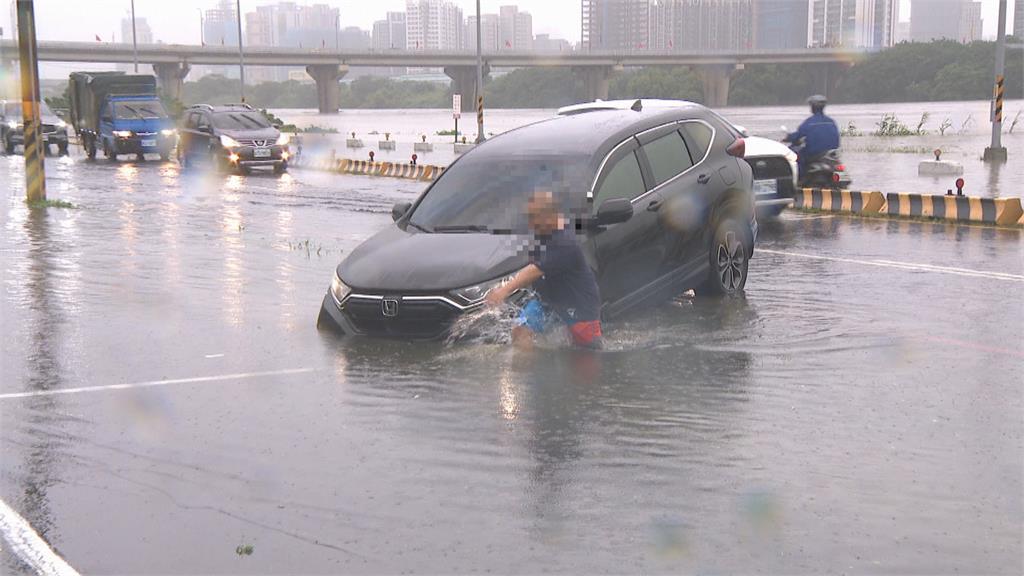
(905, 266)
(29, 546)
(152, 383)
(214, 356)
(974, 346)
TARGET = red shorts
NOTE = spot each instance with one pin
(586, 334)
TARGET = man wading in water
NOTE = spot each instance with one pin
(561, 277)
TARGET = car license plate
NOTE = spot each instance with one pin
(261, 153)
(766, 187)
(148, 143)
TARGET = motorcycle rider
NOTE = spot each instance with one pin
(819, 134)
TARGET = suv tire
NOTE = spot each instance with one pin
(729, 259)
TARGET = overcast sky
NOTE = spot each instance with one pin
(177, 21)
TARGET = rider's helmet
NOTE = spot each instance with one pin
(817, 103)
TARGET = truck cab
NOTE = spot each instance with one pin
(136, 125)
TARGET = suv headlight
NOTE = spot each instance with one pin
(13, 124)
(339, 290)
(283, 139)
(477, 292)
(228, 142)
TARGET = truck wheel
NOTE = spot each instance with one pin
(90, 148)
(729, 258)
(108, 151)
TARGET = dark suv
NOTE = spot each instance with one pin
(234, 136)
(12, 133)
(661, 200)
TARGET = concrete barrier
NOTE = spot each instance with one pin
(424, 172)
(1001, 211)
(839, 200)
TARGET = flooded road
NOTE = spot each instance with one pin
(858, 411)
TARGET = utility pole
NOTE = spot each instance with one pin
(996, 152)
(135, 44)
(241, 58)
(35, 173)
(202, 33)
(479, 81)
(337, 31)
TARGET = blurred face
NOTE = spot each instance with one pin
(541, 212)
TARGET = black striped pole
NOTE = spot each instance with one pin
(35, 175)
(998, 112)
(480, 118)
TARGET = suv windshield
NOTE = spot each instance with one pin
(13, 110)
(240, 121)
(480, 194)
(144, 109)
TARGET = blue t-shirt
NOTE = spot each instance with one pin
(568, 285)
(820, 135)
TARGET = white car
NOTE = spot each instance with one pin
(773, 163)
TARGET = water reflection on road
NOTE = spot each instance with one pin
(841, 416)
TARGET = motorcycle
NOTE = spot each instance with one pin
(823, 171)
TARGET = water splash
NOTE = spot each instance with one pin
(494, 324)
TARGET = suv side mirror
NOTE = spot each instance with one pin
(399, 210)
(614, 211)
(205, 129)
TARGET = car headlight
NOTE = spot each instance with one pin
(228, 142)
(477, 292)
(13, 125)
(283, 139)
(123, 133)
(169, 132)
(339, 289)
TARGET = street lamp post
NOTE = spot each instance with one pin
(996, 152)
(479, 81)
(241, 57)
(135, 44)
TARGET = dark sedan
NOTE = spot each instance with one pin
(661, 200)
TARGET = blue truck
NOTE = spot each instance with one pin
(120, 113)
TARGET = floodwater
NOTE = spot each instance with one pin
(888, 164)
(859, 411)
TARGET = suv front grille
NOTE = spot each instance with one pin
(259, 142)
(417, 319)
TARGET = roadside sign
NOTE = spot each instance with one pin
(456, 106)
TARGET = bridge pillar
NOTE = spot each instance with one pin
(171, 77)
(464, 82)
(326, 77)
(596, 80)
(716, 79)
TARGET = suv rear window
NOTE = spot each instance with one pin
(667, 156)
(700, 136)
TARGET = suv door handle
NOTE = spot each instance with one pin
(654, 205)
(703, 179)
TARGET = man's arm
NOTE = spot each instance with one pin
(522, 279)
(801, 132)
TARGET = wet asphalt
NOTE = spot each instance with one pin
(859, 411)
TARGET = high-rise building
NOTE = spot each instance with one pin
(433, 25)
(545, 43)
(515, 29)
(702, 25)
(489, 32)
(1018, 19)
(220, 28)
(958, 20)
(143, 33)
(615, 25)
(294, 25)
(852, 23)
(780, 24)
(389, 34)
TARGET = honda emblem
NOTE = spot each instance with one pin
(389, 307)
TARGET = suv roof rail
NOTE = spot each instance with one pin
(207, 106)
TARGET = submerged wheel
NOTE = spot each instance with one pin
(729, 259)
(8, 146)
(62, 149)
(108, 151)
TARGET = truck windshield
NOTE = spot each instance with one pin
(486, 194)
(144, 109)
(240, 121)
